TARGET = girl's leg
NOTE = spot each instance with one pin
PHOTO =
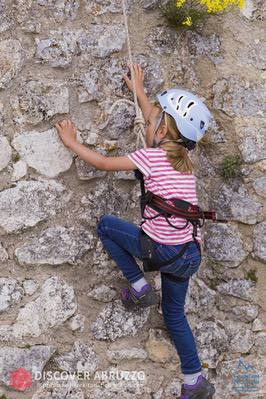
(173, 301)
(121, 240)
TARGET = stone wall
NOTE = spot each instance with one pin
(59, 292)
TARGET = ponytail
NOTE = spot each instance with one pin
(176, 153)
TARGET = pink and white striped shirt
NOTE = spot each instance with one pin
(162, 179)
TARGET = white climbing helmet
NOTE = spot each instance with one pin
(189, 112)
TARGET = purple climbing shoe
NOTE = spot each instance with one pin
(133, 299)
(201, 390)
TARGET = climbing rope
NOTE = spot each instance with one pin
(139, 121)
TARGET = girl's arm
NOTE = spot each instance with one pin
(144, 102)
(67, 132)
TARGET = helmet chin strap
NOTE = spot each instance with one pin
(179, 141)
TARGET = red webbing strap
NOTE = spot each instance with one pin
(193, 214)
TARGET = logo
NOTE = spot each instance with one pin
(20, 379)
(246, 378)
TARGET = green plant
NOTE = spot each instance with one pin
(230, 167)
(26, 346)
(187, 13)
(3, 396)
(15, 158)
(251, 275)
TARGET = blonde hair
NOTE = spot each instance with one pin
(176, 153)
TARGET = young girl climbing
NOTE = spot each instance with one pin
(173, 127)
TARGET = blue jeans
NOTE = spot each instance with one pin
(121, 240)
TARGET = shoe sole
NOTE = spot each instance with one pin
(150, 300)
(206, 392)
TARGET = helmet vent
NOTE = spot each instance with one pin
(177, 107)
(164, 93)
(202, 124)
(185, 114)
(189, 105)
(180, 98)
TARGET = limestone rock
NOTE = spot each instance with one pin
(76, 323)
(163, 40)
(200, 298)
(251, 139)
(258, 325)
(61, 10)
(217, 134)
(173, 389)
(99, 41)
(92, 86)
(19, 170)
(212, 341)
(239, 288)
(259, 185)
(54, 246)
(5, 12)
(122, 175)
(114, 322)
(242, 341)
(32, 359)
(43, 151)
(224, 244)
(11, 292)
(254, 54)
(55, 304)
(5, 152)
(253, 10)
(102, 40)
(260, 343)
(103, 266)
(160, 349)
(245, 313)
(116, 355)
(100, 7)
(205, 46)
(1, 113)
(82, 358)
(238, 98)
(30, 286)
(260, 240)
(3, 254)
(60, 388)
(11, 61)
(39, 100)
(58, 49)
(238, 205)
(87, 172)
(151, 4)
(94, 204)
(30, 202)
(31, 26)
(102, 293)
(21, 10)
(119, 122)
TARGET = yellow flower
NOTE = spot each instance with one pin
(179, 3)
(241, 3)
(220, 5)
(187, 21)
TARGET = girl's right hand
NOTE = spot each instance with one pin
(139, 79)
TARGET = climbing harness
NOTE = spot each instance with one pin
(191, 213)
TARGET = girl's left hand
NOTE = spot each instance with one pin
(67, 132)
